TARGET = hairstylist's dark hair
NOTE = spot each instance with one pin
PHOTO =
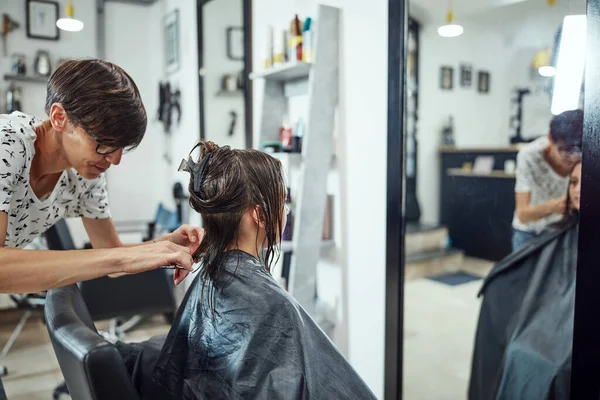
(101, 98)
(232, 182)
(567, 127)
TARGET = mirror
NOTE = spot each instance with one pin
(225, 94)
(484, 81)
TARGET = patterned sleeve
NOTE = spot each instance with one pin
(13, 158)
(524, 173)
(93, 202)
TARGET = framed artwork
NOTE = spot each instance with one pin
(172, 55)
(235, 43)
(483, 82)
(41, 16)
(446, 78)
(466, 75)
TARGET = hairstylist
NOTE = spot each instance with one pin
(54, 168)
(543, 168)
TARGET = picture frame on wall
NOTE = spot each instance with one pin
(446, 78)
(466, 75)
(171, 32)
(483, 82)
(41, 17)
(235, 43)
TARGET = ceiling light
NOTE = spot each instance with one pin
(450, 29)
(542, 63)
(547, 71)
(69, 23)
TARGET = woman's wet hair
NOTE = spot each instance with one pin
(226, 184)
(101, 98)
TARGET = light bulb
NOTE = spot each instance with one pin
(69, 24)
(547, 71)
(450, 30)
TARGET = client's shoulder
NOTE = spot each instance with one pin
(247, 280)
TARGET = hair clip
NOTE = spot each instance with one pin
(196, 169)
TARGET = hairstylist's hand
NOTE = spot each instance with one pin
(559, 206)
(155, 255)
(187, 236)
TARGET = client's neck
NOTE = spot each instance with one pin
(248, 245)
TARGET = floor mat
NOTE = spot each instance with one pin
(455, 278)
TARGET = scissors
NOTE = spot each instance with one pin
(180, 267)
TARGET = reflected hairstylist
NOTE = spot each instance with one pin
(543, 168)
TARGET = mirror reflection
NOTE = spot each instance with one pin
(494, 125)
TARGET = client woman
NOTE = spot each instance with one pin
(524, 336)
(238, 334)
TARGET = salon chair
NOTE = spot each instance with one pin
(124, 300)
(92, 366)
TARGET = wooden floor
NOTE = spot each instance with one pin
(33, 371)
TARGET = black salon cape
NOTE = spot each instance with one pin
(261, 344)
(524, 337)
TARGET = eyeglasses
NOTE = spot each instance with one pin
(101, 148)
(570, 151)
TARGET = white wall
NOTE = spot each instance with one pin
(142, 180)
(218, 15)
(69, 45)
(361, 150)
(480, 119)
(187, 133)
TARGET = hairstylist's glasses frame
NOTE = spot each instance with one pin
(101, 147)
(570, 151)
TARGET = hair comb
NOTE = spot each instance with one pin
(196, 169)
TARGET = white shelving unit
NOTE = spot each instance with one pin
(319, 80)
(285, 72)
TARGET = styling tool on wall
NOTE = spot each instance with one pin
(516, 120)
(233, 116)
(8, 25)
(168, 101)
(180, 198)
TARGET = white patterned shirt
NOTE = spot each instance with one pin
(534, 175)
(28, 216)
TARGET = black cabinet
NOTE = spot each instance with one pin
(478, 209)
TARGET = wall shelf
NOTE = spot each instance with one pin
(25, 78)
(229, 93)
(492, 174)
(286, 72)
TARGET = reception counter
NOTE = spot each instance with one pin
(478, 208)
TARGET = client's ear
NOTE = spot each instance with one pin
(258, 216)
